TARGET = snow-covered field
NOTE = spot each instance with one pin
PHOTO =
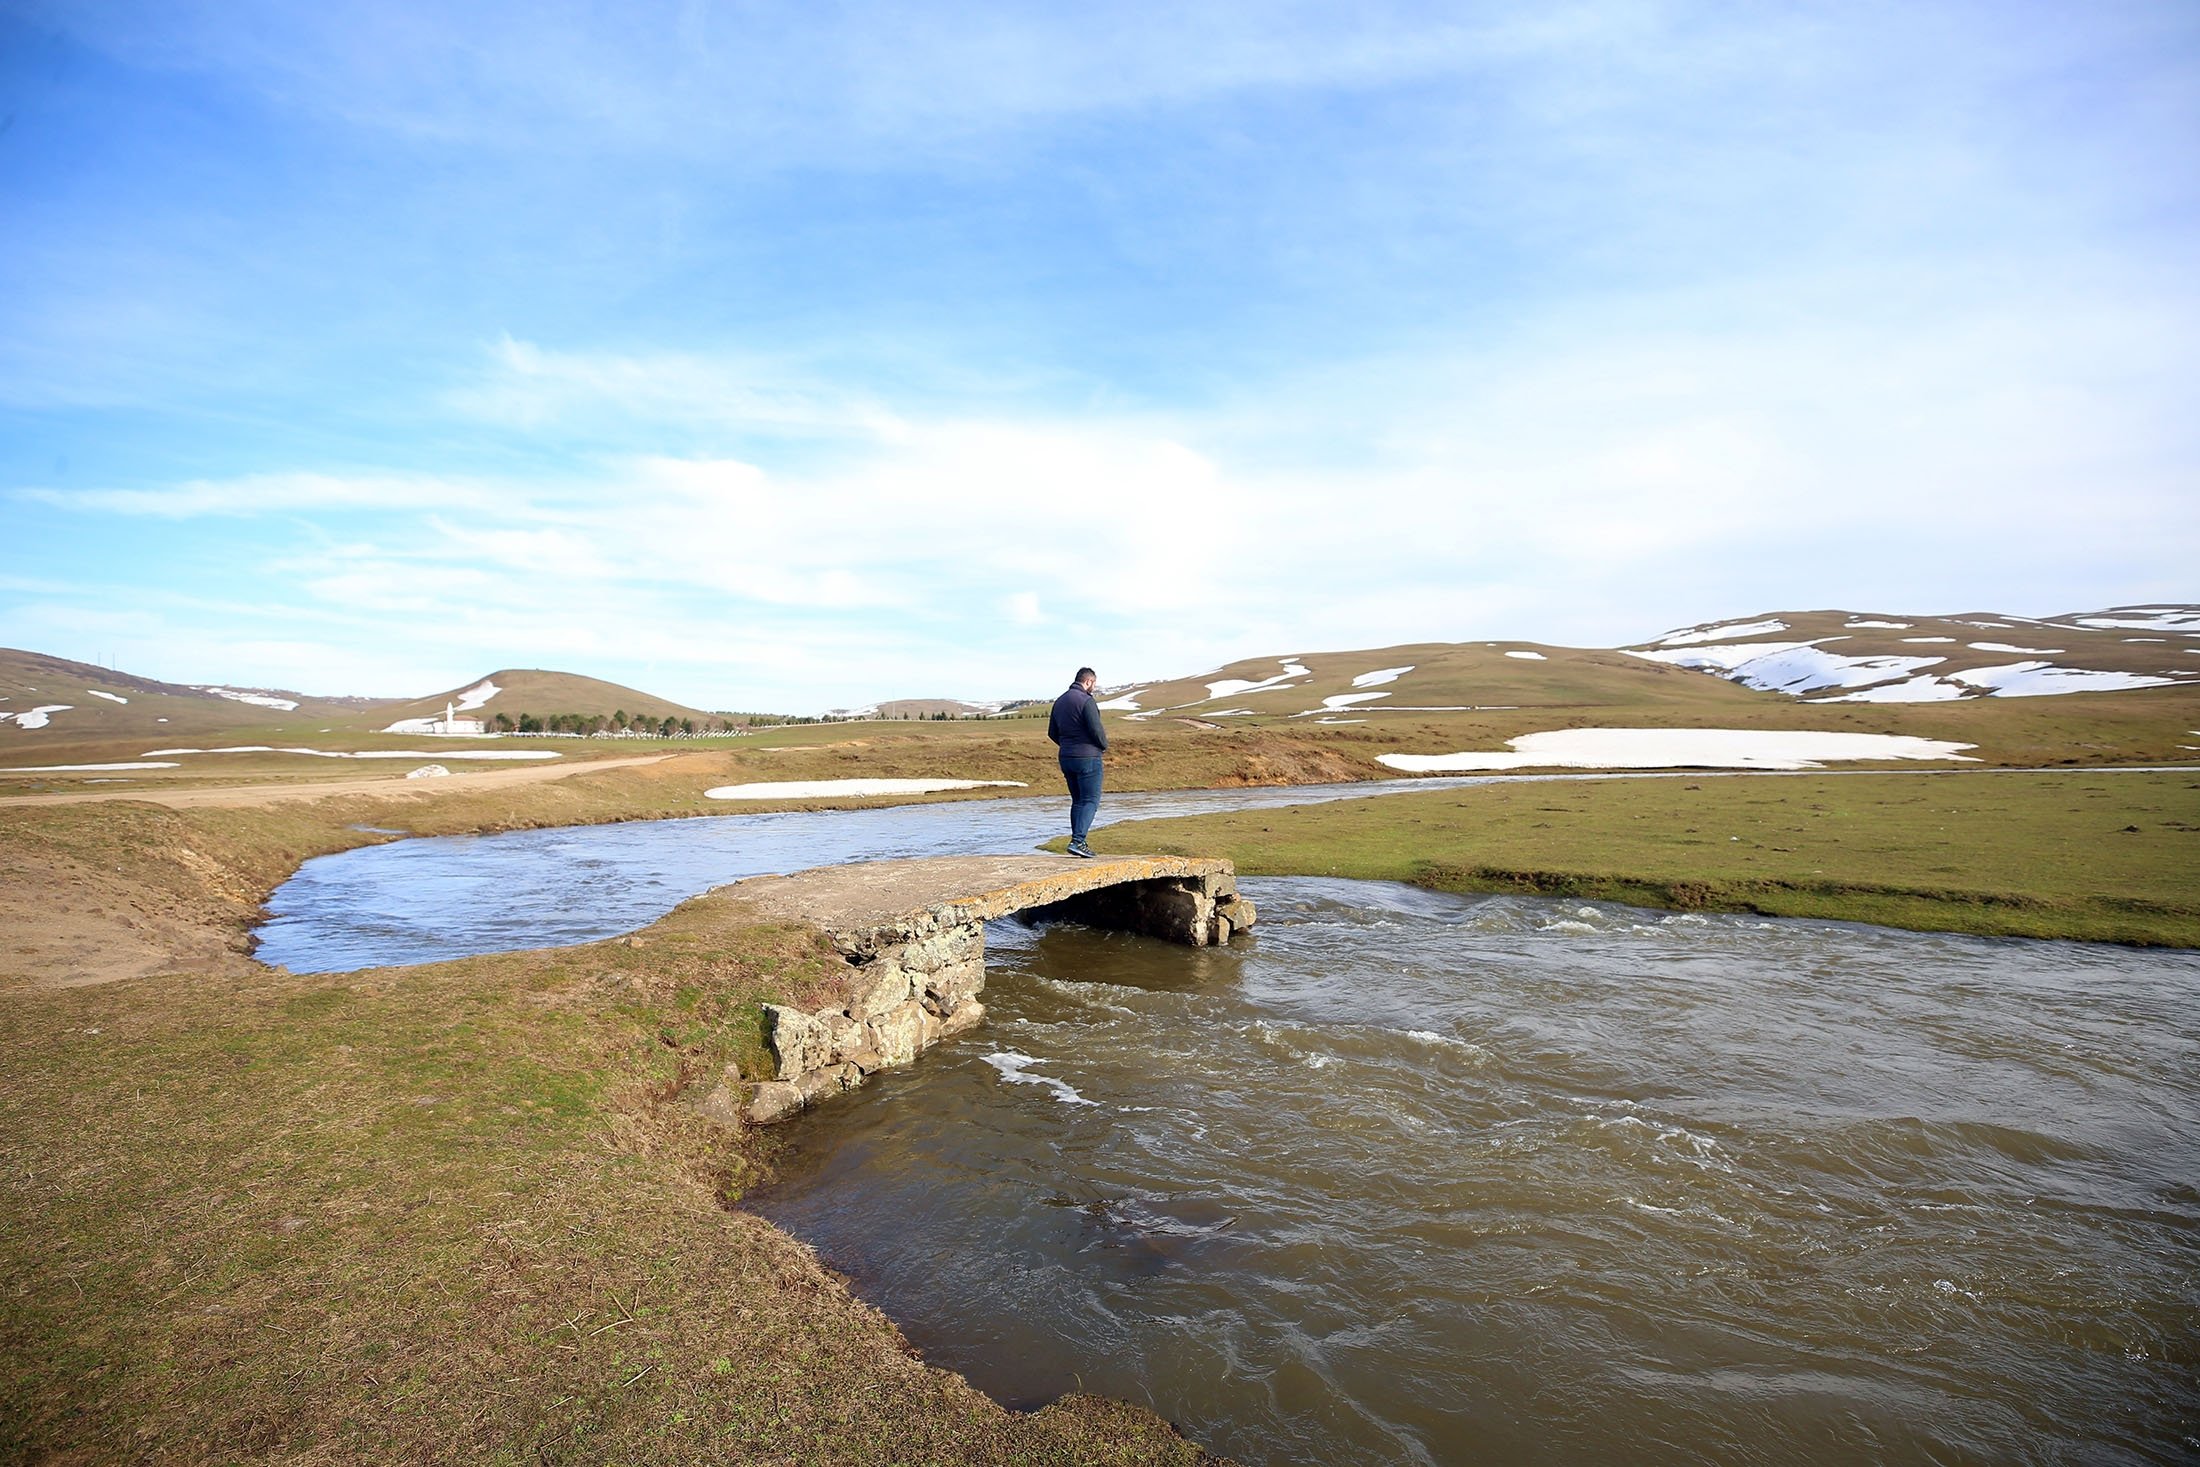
(36, 717)
(1682, 748)
(806, 789)
(87, 768)
(1805, 668)
(257, 700)
(1723, 632)
(2146, 619)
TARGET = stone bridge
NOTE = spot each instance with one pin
(913, 935)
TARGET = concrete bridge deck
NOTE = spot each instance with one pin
(913, 935)
(928, 892)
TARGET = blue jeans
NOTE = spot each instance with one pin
(1083, 776)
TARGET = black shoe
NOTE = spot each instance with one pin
(1077, 848)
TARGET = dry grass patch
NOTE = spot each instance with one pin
(462, 1212)
(2101, 857)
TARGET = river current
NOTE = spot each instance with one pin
(1409, 1177)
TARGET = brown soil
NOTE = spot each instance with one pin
(251, 796)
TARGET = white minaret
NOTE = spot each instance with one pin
(450, 719)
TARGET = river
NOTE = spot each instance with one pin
(1411, 1177)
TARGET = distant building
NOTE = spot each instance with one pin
(449, 723)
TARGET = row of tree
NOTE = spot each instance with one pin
(591, 725)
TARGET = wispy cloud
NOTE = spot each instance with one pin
(799, 355)
(258, 494)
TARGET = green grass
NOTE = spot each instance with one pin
(464, 1212)
(2101, 857)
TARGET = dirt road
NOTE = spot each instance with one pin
(246, 796)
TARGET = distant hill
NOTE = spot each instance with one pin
(1847, 657)
(52, 699)
(534, 693)
(1357, 686)
(1818, 656)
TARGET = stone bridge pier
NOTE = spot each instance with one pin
(913, 936)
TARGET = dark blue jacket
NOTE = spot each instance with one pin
(1075, 725)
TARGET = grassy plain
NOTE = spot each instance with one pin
(468, 1211)
(464, 1212)
(2102, 856)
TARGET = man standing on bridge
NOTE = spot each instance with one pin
(1075, 728)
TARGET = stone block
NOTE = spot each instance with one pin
(950, 948)
(949, 988)
(968, 1017)
(798, 1042)
(879, 985)
(775, 1100)
(722, 1105)
(1175, 914)
(844, 1036)
(898, 1033)
(815, 1085)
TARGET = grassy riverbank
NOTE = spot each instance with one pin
(468, 1211)
(2111, 857)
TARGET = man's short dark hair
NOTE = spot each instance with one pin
(1083, 673)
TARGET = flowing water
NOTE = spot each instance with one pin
(431, 899)
(1409, 1177)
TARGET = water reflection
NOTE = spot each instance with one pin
(427, 900)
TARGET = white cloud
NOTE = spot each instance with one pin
(257, 494)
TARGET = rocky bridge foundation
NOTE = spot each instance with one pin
(913, 935)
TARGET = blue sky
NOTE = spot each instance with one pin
(790, 356)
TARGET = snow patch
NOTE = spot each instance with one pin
(2020, 651)
(1341, 701)
(1126, 702)
(1380, 676)
(2146, 619)
(36, 717)
(110, 697)
(1725, 659)
(1529, 656)
(805, 789)
(475, 697)
(2044, 679)
(1668, 748)
(1924, 688)
(257, 700)
(1230, 687)
(1892, 626)
(1726, 632)
(1929, 639)
(1797, 668)
(73, 768)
